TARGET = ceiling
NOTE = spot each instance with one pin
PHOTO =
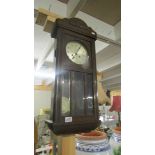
(104, 17)
(108, 11)
(64, 1)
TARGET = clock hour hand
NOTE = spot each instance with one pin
(76, 57)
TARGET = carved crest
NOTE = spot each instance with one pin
(75, 24)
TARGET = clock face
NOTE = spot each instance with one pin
(77, 53)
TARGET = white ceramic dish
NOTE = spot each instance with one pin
(93, 145)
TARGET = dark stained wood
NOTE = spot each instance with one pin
(66, 30)
(74, 25)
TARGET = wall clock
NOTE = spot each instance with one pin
(74, 107)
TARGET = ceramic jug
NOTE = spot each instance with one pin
(115, 141)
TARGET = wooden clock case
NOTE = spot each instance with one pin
(64, 31)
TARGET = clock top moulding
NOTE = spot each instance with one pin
(75, 25)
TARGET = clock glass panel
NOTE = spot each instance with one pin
(89, 95)
(65, 105)
(77, 93)
(77, 53)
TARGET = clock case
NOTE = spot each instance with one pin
(64, 31)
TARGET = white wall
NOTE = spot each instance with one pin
(42, 99)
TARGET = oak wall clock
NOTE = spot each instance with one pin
(74, 108)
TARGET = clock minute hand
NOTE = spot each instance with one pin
(78, 49)
(76, 52)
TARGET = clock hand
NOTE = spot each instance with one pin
(73, 56)
(76, 52)
(78, 49)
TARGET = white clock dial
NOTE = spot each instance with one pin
(77, 53)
